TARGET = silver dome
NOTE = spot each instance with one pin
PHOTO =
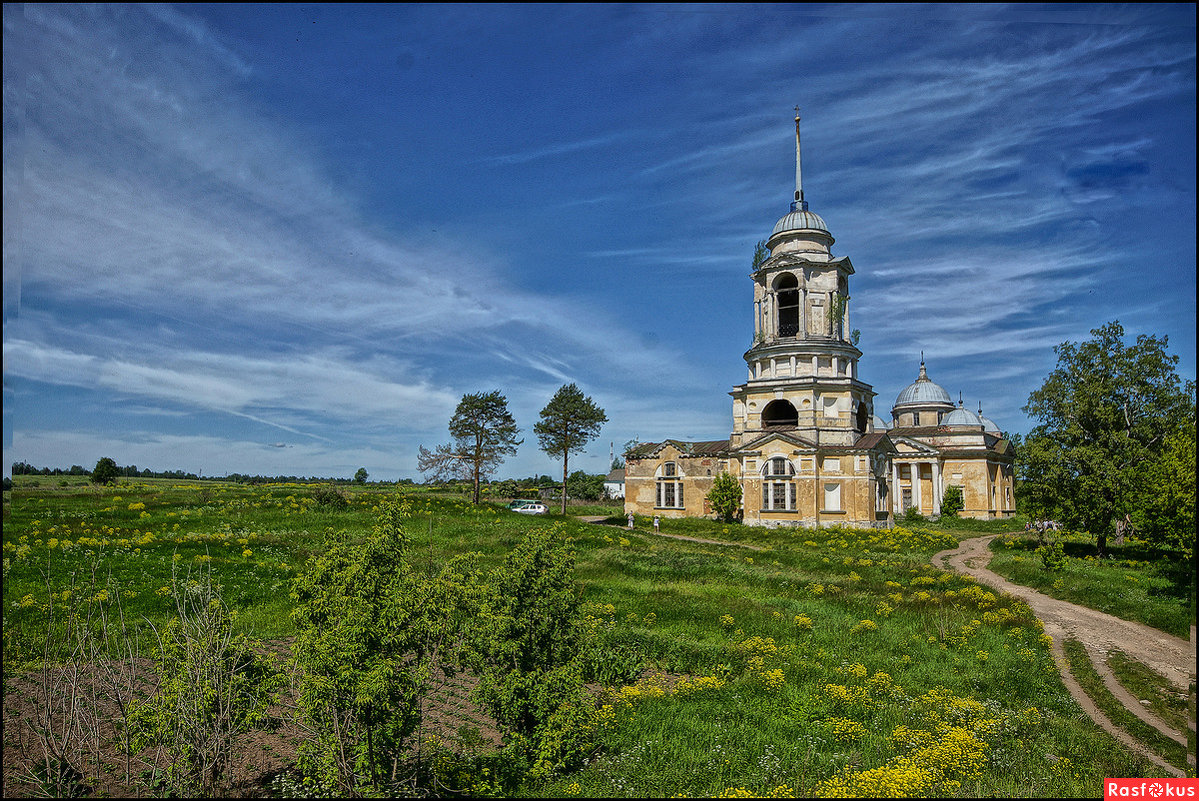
(923, 392)
(800, 220)
(962, 417)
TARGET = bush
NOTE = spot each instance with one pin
(527, 650)
(953, 501)
(330, 497)
(1053, 557)
(370, 631)
(725, 496)
(212, 687)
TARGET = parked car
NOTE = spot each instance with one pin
(519, 502)
(532, 508)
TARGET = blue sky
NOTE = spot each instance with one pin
(287, 239)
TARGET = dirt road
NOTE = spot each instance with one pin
(1172, 657)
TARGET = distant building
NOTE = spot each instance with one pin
(806, 445)
(614, 484)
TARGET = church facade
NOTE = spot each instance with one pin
(806, 445)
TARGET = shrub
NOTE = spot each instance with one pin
(527, 649)
(331, 497)
(1053, 557)
(953, 502)
(371, 630)
(212, 687)
(725, 496)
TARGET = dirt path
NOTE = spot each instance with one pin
(1171, 657)
(600, 521)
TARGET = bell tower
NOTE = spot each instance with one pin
(803, 366)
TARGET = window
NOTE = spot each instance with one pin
(778, 489)
(788, 302)
(670, 489)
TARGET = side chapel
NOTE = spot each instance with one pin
(807, 446)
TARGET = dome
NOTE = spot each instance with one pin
(961, 417)
(799, 220)
(922, 392)
(880, 424)
(988, 424)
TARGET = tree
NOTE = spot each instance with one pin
(568, 422)
(360, 476)
(725, 496)
(953, 502)
(484, 432)
(583, 485)
(1107, 414)
(105, 471)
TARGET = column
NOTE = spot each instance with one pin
(916, 485)
(938, 490)
(803, 312)
(896, 495)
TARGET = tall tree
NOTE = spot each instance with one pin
(484, 432)
(1107, 415)
(105, 471)
(568, 422)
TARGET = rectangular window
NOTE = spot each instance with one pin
(670, 494)
(778, 496)
(831, 465)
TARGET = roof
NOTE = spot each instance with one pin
(961, 417)
(799, 220)
(718, 447)
(616, 476)
(922, 392)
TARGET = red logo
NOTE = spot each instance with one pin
(1151, 789)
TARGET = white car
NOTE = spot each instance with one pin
(532, 509)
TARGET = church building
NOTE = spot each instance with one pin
(807, 446)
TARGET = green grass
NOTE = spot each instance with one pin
(953, 654)
(1137, 583)
(1166, 701)
(1084, 672)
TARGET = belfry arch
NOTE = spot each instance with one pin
(779, 414)
(786, 290)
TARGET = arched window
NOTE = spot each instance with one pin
(779, 414)
(863, 417)
(787, 292)
(778, 485)
(670, 487)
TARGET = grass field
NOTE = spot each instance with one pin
(1135, 583)
(828, 662)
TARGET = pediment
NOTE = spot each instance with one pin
(907, 445)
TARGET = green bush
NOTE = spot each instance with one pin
(1053, 557)
(330, 497)
(371, 631)
(953, 502)
(527, 649)
(725, 496)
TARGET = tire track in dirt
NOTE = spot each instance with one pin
(1171, 657)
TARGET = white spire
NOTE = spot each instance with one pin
(800, 204)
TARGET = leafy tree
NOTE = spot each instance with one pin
(526, 642)
(360, 476)
(1102, 450)
(725, 496)
(105, 471)
(952, 502)
(583, 485)
(568, 422)
(370, 631)
(484, 432)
